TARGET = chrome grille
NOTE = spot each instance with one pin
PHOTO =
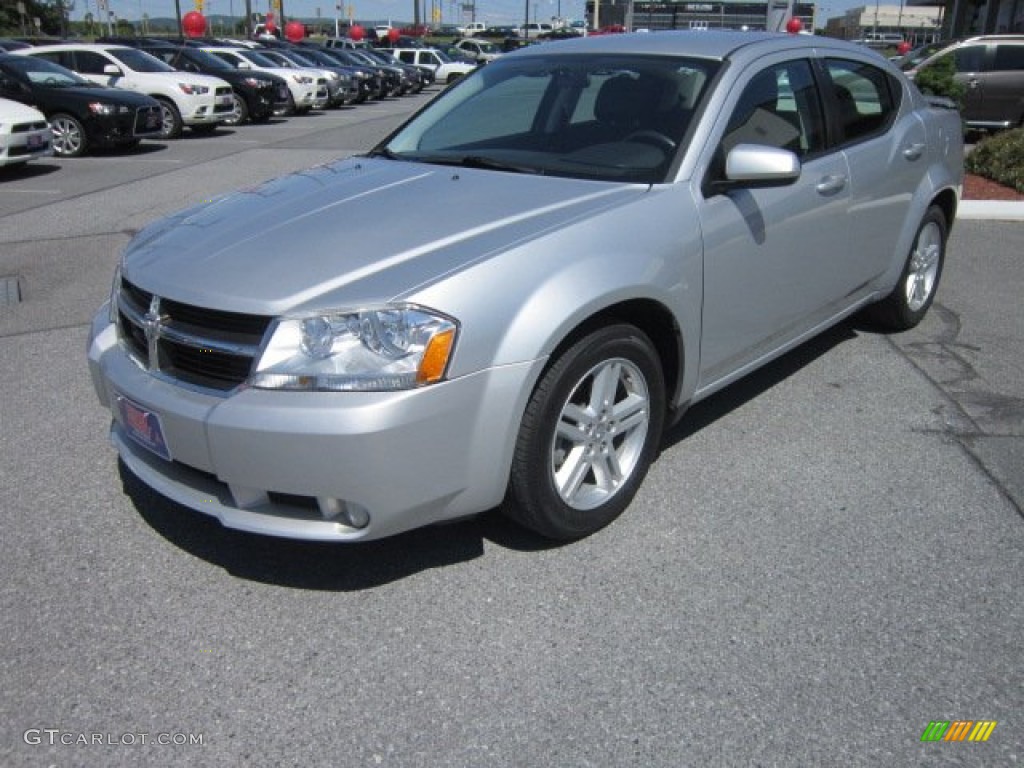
(199, 346)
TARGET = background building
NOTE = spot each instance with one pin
(694, 14)
(916, 24)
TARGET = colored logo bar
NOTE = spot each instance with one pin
(959, 730)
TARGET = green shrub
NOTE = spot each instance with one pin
(1000, 158)
(937, 80)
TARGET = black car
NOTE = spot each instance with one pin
(82, 114)
(257, 95)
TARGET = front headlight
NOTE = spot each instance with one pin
(193, 90)
(99, 108)
(302, 79)
(384, 349)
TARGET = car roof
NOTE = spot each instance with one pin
(709, 44)
(79, 47)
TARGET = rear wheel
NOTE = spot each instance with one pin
(906, 306)
(69, 138)
(589, 434)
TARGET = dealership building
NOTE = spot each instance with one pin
(924, 20)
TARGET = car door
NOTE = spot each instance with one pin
(1002, 85)
(884, 144)
(90, 65)
(775, 258)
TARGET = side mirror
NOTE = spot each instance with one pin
(112, 69)
(758, 165)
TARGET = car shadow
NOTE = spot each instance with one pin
(363, 565)
(331, 567)
(33, 169)
(755, 384)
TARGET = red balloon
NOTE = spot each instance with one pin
(903, 48)
(393, 35)
(357, 33)
(794, 26)
(270, 26)
(194, 24)
(294, 31)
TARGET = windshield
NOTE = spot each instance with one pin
(43, 72)
(258, 59)
(611, 117)
(206, 60)
(139, 61)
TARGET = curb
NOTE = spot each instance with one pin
(990, 210)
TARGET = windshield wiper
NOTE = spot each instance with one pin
(478, 161)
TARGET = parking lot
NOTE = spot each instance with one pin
(824, 559)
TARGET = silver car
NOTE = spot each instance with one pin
(597, 234)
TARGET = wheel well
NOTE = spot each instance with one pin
(946, 200)
(651, 317)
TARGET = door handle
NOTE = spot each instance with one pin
(914, 151)
(831, 184)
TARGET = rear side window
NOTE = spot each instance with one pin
(1009, 58)
(865, 98)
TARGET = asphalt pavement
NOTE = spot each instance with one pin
(824, 559)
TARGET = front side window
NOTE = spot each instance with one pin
(609, 117)
(779, 108)
(865, 98)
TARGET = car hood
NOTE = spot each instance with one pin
(357, 231)
(99, 93)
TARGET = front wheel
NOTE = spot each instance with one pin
(906, 306)
(589, 434)
(239, 111)
(171, 122)
(69, 139)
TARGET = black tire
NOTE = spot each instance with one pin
(239, 111)
(69, 138)
(909, 301)
(607, 393)
(172, 124)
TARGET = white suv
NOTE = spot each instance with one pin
(307, 87)
(445, 70)
(200, 102)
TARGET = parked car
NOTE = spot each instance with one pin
(471, 28)
(416, 77)
(445, 70)
(82, 115)
(367, 78)
(629, 224)
(341, 88)
(478, 49)
(991, 69)
(307, 89)
(535, 29)
(255, 95)
(24, 133)
(199, 102)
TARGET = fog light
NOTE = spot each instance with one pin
(353, 515)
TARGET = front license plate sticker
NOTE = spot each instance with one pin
(143, 426)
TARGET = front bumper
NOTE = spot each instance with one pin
(314, 465)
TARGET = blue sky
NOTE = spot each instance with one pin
(490, 11)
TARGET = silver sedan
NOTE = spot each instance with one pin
(595, 235)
